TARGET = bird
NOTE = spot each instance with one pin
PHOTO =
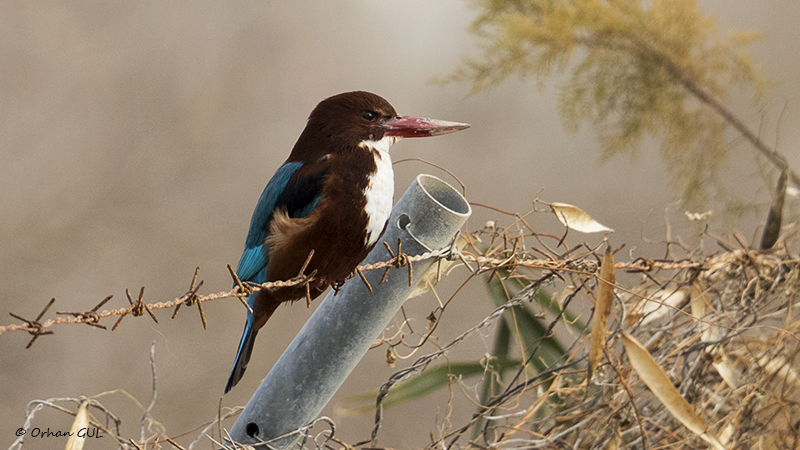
(332, 196)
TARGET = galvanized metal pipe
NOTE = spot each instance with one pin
(343, 327)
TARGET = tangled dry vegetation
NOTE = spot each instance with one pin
(699, 351)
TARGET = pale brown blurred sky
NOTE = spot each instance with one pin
(137, 137)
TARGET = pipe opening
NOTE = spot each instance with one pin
(444, 194)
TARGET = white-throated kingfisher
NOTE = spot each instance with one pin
(333, 195)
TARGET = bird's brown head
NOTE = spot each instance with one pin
(346, 121)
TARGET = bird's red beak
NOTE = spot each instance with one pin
(409, 126)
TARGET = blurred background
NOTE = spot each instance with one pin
(137, 137)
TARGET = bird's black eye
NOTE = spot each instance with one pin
(369, 115)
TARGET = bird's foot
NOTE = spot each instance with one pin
(319, 283)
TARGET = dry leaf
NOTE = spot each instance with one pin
(574, 218)
(656, 379)
(655, 305)
(708, 333)
(725, 370)
(698, 302)
(390, 357)
(780, 367)
(727, 433)
(700, 308)
(566, 293)
(772, 229)
(81, 423)
(602, 309)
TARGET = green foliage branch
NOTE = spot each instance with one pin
(637, 69)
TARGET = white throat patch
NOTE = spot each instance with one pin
(379, 192)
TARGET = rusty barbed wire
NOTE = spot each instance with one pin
(578, 264)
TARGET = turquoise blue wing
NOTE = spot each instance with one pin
(255, 258)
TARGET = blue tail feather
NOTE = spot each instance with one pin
(243, 353)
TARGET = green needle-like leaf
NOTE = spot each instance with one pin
(531, 331)
(491, 384)
(428, 381)
(544, 299)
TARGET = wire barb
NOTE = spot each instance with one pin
(301, 273)
(398, 261)
(90, 317)
(138, 308)
(191, 297)
(363, 278)
(35, 327)
(244, 290)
